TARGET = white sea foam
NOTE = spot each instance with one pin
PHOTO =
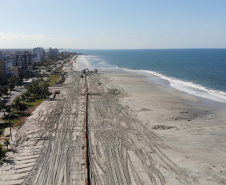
(92, 62)
(83, 62)
(188, 87)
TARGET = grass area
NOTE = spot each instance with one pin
(29, 105)
(1, 132)
(15, 120)
(33, 103)
(53, 79)
(17, 116)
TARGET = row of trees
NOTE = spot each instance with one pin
(11, 83)
(37, 90)
(3, 91)
(34, 91)
(15, 80)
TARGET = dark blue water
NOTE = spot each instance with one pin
(198, 70)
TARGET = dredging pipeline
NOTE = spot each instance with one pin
(86, 136)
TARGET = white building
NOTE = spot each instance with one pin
(39, 52)
(8, 66)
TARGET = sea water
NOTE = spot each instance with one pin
(200, 72)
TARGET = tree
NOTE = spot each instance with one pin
(8, 109)
(17, 103)
(6, 142)
(1, 103)
(11, 82)
(26, 95)
(45, 90)
(2, 152)
(13, 105)
(23, 97)
(3, 91)
(35, 89)
(20, 79)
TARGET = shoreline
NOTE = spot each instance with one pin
(208, 95)
(189, 127)
(142, 131)
(158, 81)
(192, 128)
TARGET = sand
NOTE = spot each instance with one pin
(194, 132)
(139, 133)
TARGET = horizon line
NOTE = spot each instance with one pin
(108, 49)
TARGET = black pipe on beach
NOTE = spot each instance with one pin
(87, 180)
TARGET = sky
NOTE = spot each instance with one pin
(113, 24)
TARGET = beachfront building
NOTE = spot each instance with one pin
(9, 66)
(3, 76)
(40, 54)
(23, 59)
(34, 57)
(53, 53)
(17, 70)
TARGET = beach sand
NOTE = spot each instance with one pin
(193, 133)
(139, 133)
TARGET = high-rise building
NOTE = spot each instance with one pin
(39, 52)
(23, 60)
(17, 70)
(8, 66)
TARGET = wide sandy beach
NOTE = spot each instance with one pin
(139, 132)
(192, 132)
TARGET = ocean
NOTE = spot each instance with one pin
(200, 72)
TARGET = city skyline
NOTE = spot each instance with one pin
(103, 24)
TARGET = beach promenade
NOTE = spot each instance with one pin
(116, 128)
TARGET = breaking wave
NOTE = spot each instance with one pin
(92, 62)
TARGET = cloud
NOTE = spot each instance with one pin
(12, 40)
